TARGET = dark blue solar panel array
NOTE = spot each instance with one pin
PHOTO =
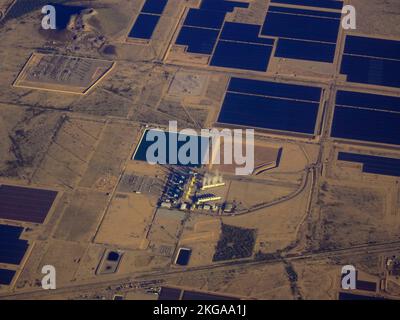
(368, 101)
(6, 276)
(301, 27)
(25, 204)
(205, 19)
(305, 50)
(272, 89)
(306, 12)
(154, 6)
(202, 26)
(198, 40)
(367, 117)
(200, 30)
(243, 33)
(148, 19)
(144, 26)
(222, 5)
(239, 45)
(372, 61)
(247, 56)
(351, 296)
(373, 164)
(269, 105)
(304, 34)
(328, 4)
(12, 249)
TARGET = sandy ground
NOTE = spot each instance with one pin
(82, 145)
(131, 215)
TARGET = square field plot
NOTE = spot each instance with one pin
(269, 105)
(366, 117)
(25, 204)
